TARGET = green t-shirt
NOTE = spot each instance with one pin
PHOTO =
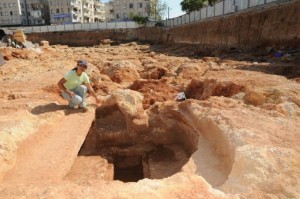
(73, 80)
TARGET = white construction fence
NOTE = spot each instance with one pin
(83, 26)
(219, 9)
(223, 8)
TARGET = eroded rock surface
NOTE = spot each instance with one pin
(235, 136)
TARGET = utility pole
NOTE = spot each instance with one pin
(168, 12)
(155, 2)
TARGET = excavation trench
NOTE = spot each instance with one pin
(113, 152)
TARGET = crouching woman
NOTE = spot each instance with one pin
(74, 86)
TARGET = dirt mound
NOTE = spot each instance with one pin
(154, 91)
(203, 89)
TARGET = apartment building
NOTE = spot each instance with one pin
(34, 12)
(76, 11)
(99, 11)
(10, 12)
(124, 9)
(23, 12)
(60, 11)
(109, 11)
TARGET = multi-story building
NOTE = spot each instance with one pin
(10, 12)
(60, 11)
(40, 12)
(76, 11)
(34, 12)
(109, 11)
(99, 11)
(77, 14)
(23, 12)
(92, 11)
(125, 9)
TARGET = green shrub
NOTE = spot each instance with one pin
(139, 19)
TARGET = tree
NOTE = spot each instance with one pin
(139, 19)
(192, 5)
(156, 9)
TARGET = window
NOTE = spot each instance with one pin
(57, 10)
(131, 5)
(6, 13)
(15, 5)
(15, 12)
(140, 5)
(23, 13)
(11, 13)
(118, 16)
(4, 5)
(1, 14)
(52, 11)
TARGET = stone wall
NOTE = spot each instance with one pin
(276, 26)
(84, 38)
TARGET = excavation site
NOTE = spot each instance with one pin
(168, 124)
(208, 109)
(113, 151)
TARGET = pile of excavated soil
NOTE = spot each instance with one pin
(236, 135)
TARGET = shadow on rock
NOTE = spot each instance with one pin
(52, 107)
(288, 71)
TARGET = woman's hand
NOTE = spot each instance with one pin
(71, 94)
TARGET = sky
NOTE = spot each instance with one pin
(174, 8)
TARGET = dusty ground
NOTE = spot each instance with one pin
(239, 125)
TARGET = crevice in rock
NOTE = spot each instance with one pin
(171, 141)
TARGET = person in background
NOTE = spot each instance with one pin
(74, 86)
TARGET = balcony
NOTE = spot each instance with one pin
(76, 20)
(75, 13)
(99, 18)
(75, 5)
(87, 14)
(36, 14)
(98, 4)
(99, 11)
